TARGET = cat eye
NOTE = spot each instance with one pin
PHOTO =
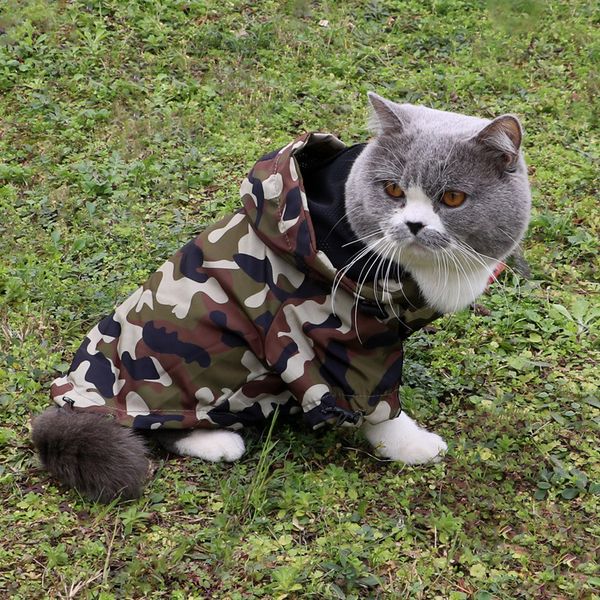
(453, 198)
(393, 190)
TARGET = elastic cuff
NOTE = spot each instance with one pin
(328, 411)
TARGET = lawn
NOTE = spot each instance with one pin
(125, 127)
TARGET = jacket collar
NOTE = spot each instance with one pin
(275, 200)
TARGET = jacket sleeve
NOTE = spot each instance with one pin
(291, 355)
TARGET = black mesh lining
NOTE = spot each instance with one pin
(324, 183)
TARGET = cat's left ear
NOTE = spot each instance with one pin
(502, 137)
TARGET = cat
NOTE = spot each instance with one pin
(298, 301)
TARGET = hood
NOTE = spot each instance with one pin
(274, 199)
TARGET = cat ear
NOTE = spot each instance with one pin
(502, 137)
(385, 115)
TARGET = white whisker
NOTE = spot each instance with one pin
(342, 272)
(371, 261)
(361, 239)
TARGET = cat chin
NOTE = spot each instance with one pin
(417, 254)
(449, 290)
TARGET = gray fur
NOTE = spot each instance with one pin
(91, 453)
(438, 151)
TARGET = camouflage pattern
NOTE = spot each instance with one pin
(240, 320)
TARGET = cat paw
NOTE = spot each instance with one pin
(212, 445)
(422, 448)
(403, 440)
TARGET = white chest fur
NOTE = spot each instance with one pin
(450, 288)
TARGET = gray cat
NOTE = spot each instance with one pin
(301, 300)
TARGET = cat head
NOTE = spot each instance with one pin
(445, 195)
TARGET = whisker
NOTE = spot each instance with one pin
(468, 253)
(348, 212)
(387, 280)
(360, 284)
(474, 254)
(361, 239)
(376, 276)
(342, 272)
(398, 262)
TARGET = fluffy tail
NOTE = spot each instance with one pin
(91, 453)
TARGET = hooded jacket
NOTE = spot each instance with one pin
(242, 319)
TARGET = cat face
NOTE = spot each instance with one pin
(437, 190)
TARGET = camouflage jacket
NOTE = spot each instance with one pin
(241, 320)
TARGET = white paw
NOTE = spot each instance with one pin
(213, 445)
(402, 439)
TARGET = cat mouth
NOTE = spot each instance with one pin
(418, 245)
(427, 241)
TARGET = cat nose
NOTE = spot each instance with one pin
(414, 227)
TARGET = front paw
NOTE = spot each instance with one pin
(403, 440)
(421, 447)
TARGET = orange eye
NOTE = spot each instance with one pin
(453, 199)
(393, 190)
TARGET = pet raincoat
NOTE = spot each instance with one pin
(242, 320)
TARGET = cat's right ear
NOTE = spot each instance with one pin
(385, 116)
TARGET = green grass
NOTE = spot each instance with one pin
(126, 126)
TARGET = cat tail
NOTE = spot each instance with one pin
(91, 453)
